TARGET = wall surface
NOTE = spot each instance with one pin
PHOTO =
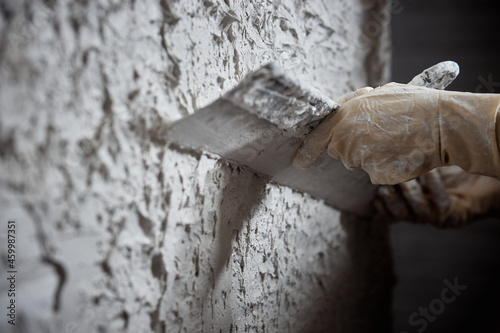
(116, 229)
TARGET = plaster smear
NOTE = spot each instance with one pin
(120, 232)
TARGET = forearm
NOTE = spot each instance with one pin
(470, 132)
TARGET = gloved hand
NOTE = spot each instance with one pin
(398, 132)
(445, 197)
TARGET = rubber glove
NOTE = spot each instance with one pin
(398, 132)
(446, 197)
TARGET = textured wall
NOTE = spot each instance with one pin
(117, 230)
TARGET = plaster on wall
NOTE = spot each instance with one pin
(118, 231)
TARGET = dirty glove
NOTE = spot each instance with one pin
(398, 132)
(446, 197)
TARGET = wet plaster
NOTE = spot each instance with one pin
(121, 231)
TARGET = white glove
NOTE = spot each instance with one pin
(398, 132)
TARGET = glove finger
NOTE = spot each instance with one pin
(415, 197)
(344, 98)
(437, 193)
(393, 203)
(454, 177)
(479, 196)
(315, 143)
(381, 213)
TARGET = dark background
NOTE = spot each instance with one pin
(425, 33)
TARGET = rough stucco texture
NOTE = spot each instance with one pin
(119, 231)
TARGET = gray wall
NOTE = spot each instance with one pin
(117, 230)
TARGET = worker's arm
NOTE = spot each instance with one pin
(398, 132)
